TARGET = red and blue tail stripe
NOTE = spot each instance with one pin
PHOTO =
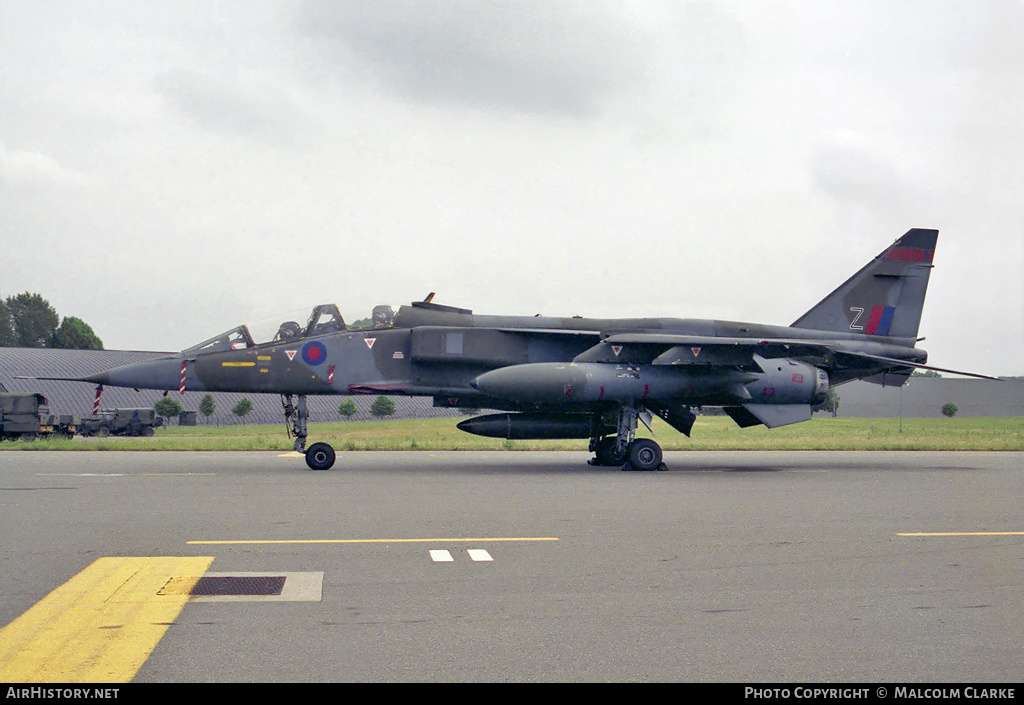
(880, 320)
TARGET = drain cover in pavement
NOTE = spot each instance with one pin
(239, 585)
(248, 586)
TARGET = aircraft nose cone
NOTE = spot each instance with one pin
(163, 373)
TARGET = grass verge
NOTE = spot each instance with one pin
(709, 433)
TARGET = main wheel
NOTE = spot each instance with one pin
(320, 456)
(644, 454)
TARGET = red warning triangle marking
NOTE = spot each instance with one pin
(369, 342)
(290, 354)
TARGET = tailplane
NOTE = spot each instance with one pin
(885, 297)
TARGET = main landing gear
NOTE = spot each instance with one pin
(319, 456)
(624, 448)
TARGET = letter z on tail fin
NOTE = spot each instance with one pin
(885, 297)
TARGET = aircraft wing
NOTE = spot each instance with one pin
(551, 331)
(673, 349)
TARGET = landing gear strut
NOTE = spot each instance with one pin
(624, 448)
(319, 456)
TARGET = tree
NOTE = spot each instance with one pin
(830, 404)
(949, 409)
(382, 406)
(242, 408)
(29, 321)
(33, 319)
(75, 334)
(7, 337)
(167, 407)
(207, 406)
(347, 408)
(361, 324)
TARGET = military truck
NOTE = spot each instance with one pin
(27, 417)
(120, 422)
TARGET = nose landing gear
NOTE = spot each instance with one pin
(319, 456)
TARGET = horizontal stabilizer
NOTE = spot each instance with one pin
(898, 365)
(892, 378)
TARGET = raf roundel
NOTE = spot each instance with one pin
(314, 353)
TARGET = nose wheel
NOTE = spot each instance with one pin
(320, 456)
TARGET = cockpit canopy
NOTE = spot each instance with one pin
(324, 319)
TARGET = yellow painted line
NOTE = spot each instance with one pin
(437, 540)
(969, 533)
(238, 364)
(100, 626)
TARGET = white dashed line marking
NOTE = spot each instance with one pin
(440, 555)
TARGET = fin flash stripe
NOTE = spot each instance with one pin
(881, 319)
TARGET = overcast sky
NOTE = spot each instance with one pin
(169, 170)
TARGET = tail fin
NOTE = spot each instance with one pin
(885, 297)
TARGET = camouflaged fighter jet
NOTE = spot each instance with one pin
(576, 377)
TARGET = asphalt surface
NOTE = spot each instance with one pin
(731, 566)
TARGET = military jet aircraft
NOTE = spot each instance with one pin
(576, 377)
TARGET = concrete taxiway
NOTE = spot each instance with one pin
(517, 566)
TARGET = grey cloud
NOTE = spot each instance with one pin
(528, 56)
(849, 168)
(226, 106)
